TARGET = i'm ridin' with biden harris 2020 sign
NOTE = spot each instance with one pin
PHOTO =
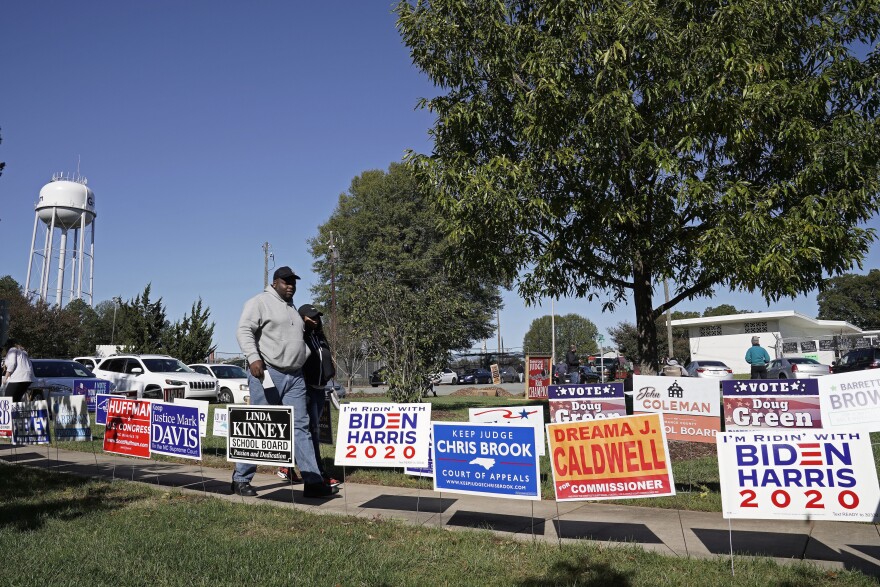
(486, 459)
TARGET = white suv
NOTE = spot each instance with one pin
(232, 380)
(156, 377)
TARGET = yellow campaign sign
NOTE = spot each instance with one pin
(610, 459)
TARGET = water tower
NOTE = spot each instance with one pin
(66, 206)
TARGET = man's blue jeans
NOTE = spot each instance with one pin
(574, 375)
(289, 390)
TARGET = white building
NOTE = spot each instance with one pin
(787, 333)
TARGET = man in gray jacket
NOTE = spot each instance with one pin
(270, 334)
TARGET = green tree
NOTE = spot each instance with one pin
(190, 339)
(393, 289)
(141, 323)
(596, 149)
(723, 310)
(854, 298)
(626, 338)
(570, 329)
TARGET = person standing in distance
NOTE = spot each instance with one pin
(574, 364)
(18, 369)
(270, 334)
(758, 358)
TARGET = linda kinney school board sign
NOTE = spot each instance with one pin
(578, 402)
(260, 435)
(798, 475)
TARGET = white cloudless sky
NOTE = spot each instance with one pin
(208, 128)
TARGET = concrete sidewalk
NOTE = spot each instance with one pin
(835, 545)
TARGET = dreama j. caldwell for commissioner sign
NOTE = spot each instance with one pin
(610, 459)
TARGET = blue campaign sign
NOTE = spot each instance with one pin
(486, 459)
(102, 400)
(586, 390)
(759, 387)
(174, 431)
(90, 388)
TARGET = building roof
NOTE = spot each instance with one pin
(791, 315)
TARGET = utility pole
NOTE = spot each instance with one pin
(266, 256)
(669, 352)
(334, 256)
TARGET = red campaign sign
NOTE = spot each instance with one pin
(128, 427)
(537, 376)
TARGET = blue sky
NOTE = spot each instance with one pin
(208, 128)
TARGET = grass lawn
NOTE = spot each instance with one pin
(695, 465)
(62, 530)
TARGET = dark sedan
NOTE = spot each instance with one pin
(475, 376)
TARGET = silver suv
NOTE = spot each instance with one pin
(156, 377)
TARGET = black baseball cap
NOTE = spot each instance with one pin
(284, 273)
(309, 311)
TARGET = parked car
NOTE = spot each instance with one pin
(157, 377)
(610, 365)
(231, 379)
(476, 376)
(379, 377)
(90, 362)
(58, 375)
(509, 375)
(709, 369)
(445, 377)
(796, 368)
(857, 360)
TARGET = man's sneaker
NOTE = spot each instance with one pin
(243, 488)
(288, 474)
(319, 490)
(331, 481)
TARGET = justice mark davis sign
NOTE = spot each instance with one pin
(610, 459)
(798, 475)
(778, 403)
(578, 402)
(260, 435)
(175, 431)
(383, 435)
(690, 406)
(486, 459)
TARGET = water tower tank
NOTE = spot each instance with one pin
(67, 200)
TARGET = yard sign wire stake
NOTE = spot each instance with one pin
(202, 473)
(533, 520)
(345, 494)
(730, 536)
(558, 525)
(681, 524)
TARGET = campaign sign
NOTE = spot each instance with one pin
(851, 400)
(90, 388)
(537, 376)
(383, 435)
(525, 415)
(690, 406)
(798, 475)
(5, 417)
(30, 422)
(221, 422)
(325, 425)
(102, 401)
(423, 471)
(71, 417)
(586, 401)
(776, 403)
(175, 430)
(610, 459)
(202, 407)
(486, 459)
(128, 427)
(260, 435)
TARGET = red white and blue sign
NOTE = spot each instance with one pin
(486, 459)
(582, 402)
(518, 416)
(90, 388)
(776, 403)
(5, 417)
(175, 431)
(128, 427)
(30, 422)
(102, 400)
(383, 435)
(798, 475)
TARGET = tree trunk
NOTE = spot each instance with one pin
(646, 327)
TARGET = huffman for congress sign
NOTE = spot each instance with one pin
(798, 475)
(610, 459)
(128, 427)
(260, 435)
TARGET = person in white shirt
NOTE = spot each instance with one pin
(18, 369)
